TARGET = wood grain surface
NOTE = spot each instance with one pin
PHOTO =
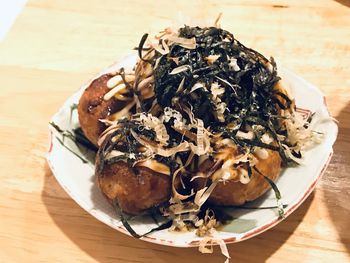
(56, 46)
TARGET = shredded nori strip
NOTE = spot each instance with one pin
(77, 136)
(122, 74)
(81, 139)
(163, 226)
(124, 220)
(260, 207)
(69, 149)
(276, 191)
(142, 42)
(128, 227)
(73, 107)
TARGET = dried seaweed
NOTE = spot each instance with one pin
(140, 48)
(250, 99)
(124, 220)
(250, 94)
(278, 196)
(77, 136)
(128, 227)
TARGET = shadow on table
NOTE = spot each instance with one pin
(107, 245)
(335, 183)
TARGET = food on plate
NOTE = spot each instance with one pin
(235, 191)
(200, 121)
(136, 186)
(135, 191)
(98, 103)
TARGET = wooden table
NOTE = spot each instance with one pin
(55, 46)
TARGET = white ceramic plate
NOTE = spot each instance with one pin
(295, 184)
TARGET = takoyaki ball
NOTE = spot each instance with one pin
(134, 190)
(234, 192)
(92, 107)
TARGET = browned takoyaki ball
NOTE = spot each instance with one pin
(233, 192)
(135, 190)
(92, 107)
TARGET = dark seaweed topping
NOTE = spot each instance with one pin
(163, 226)
(248, 78)
(73, 107)
(218, 82)
(173, 165)
(125, 221)
(250, 95)
(276, 191)
(126, 142)
(122, 74)
(78, 137)
(140, 48)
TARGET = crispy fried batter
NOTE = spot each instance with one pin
(134, 192)
(93, 107)
(235, 193)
